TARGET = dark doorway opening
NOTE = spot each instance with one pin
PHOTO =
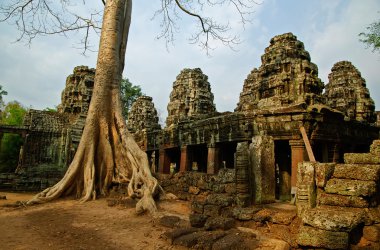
(283, 165)
(198, 157)
(227, 152)
(172, 160)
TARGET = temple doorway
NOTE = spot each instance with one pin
(283, 172)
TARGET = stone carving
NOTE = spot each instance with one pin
(191, 96)
(143, 115)
(347, 92)
(77, 94)
(286, 77)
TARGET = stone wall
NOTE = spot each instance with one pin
(339, 203)
(346, 91)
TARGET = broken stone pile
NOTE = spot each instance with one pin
(346, 91)
(191, 97)
(195, 186)
(339, 203)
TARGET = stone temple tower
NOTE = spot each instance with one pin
(191, 96)
(347, 92)
(78, 91)
(286, 77)
(143, 115)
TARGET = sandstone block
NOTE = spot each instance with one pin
(174, 234)
(283, 218)
(194, 190)
(372, 233)
(222, 200)
(333, 219)
(366, 158)
(323, 172)
(230, 242)
(214, 223)
(197, 207)
(314, 237)
(197, 220)
(342, 200)
(375, 147)
(211, 210)
(357, 172)
(351, 187)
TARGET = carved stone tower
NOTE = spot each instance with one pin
(191, 96)
(77, 94)
(143, 115)
(286, 77)
(347, 92)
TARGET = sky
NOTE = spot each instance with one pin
(35, 74)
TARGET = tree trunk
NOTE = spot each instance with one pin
(107, 152)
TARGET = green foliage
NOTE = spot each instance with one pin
(129, 94)
(2, 93)
(13, 114)
(372, 38)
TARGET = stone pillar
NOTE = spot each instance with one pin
(262, 163)
(212, 159)
(161, 161)
(336, 155)
(299, 154)
(184, 164)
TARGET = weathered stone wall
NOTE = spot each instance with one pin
(286, 77)
(191, 97)
(346, 91)
(339, 203)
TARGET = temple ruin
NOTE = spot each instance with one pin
(286, 140)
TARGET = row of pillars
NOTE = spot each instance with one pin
(185, 164)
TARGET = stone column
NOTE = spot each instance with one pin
(212, 159)
(261, 154)
(161, 161)
(184, 164)
(299, 154)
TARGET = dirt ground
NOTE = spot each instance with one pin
(68, 224)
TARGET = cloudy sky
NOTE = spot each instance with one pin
(35, 75)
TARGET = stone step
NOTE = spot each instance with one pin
(364, 172)
(365, 158)
(351, 187)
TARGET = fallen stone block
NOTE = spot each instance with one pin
(350, 187)
(169, 221)
(357, 172)
(197, 220)
(263, 215)
(323, 172)
(211, 210)
(174, 234)
(375, 147)
(314, 237)
(222, 200)
(333, 219)
(342, 200)
(188, 240)
(208, 238)
(363, 158)
(222, 223)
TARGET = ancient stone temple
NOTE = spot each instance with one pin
(143, 115)
(286, 77)
(191, 97)
(346, 91)
(51, 138)
(281, 116)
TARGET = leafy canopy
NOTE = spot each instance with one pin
(129, 93)
(372, 38)
(13, 114)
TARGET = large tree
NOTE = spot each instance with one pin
(107, 153)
